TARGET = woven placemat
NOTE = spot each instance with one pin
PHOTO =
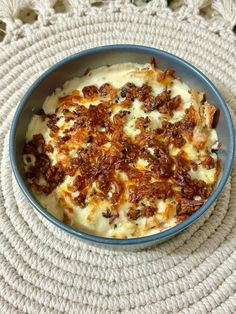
(45, 270)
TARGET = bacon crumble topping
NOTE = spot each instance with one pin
(102, 150)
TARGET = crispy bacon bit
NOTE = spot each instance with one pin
(95, 116)
(144, 92)
(178, 141)
(90, 92)
(107, 90)
(48, 148)
(129, 90)
(162, 169)
(208, 162)
(182, 217)
(42, 163)
(193, 165)
(135, 195)
(80, 200)
(172, 105)
(79, 183)
(55, 175)
(133, 213)
(70, 171)
(141, 123)
(153, 190)
(52, 123)
(30, 148)
(80, 110)
(149, 104)
(175, 132)
(162, 164)
(35, 146)
(160, 190)
(163, 103)
(136, 175)
(129, 151)
(62, 140)
(189, 122)
(32, 173)
(39, 142)
(181, 178)
(80, 123)
(189, 206)
(119, 120)
(192, 188)
(119, 188)
(99, 139)
(104, 182)
(75, 163)
(162, 99)
(127, 103)
(171, 134)
(147, 211)
(69, 130)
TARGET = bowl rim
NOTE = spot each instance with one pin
(157, 237)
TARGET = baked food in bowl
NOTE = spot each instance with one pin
(123, 155)
(124, 151)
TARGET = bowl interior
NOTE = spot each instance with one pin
(77, 64)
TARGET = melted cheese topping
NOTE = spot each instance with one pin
(90, 218)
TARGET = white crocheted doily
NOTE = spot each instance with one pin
(45, 270)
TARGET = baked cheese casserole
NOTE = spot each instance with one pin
(125, 151)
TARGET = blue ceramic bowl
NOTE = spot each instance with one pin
(76, 65)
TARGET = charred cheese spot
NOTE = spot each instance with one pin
(123, 151)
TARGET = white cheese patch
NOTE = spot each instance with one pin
(173, 150)
(161, 205)
(141, 164)
(182, 89)
(191, 151)
(50, 104)
(37, 126)
(212, 142)
(206, 175)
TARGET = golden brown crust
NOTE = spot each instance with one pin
(207, 112)
(204, 111)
